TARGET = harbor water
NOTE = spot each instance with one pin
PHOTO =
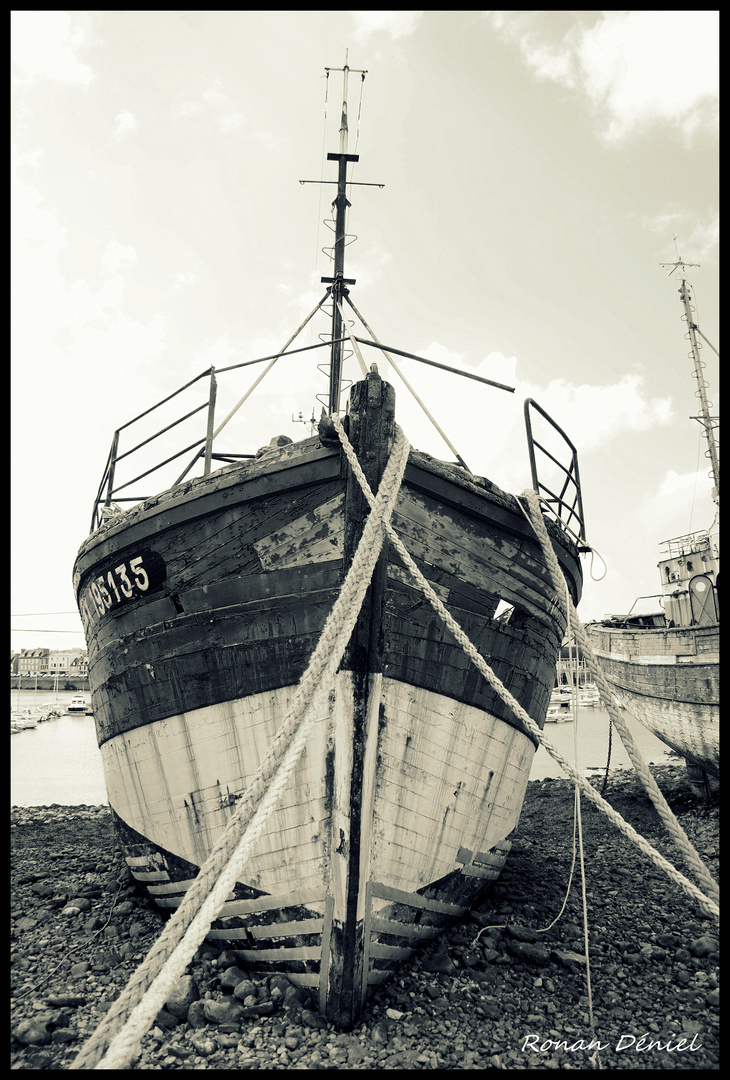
(59, 761)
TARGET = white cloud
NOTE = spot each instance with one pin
(215, 98)
(215, 93)
(636, 67)
(231, 121)
(398, 24)
(183, 280)
(681, 504)
(43, 45)
(117, 257)
(126, 122)
(594, 415)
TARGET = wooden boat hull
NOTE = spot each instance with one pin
(201, 609)
(669, 679)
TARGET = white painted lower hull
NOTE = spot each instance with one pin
(451, 779)
(692, 730)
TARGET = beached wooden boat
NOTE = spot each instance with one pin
(202, 607)
(665, 666)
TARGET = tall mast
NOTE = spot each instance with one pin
(339, 282)
(708, 422)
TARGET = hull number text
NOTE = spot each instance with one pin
(122, 582)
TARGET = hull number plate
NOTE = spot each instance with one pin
(121, 582)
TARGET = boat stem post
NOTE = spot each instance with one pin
(372, 433)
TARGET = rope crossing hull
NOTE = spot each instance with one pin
(398, 811)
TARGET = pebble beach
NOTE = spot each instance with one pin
(498, 990)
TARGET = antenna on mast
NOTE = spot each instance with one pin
(709, 423)
(338, 284)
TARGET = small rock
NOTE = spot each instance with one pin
(63, 1035)
(216, 1012)
(313, 1020)
(244, 989)
(379, 1033)
(439, 962)
(523, 933)
(232, 977)
(26, 923)
(81, 903)
(529, 952)
(196, 1015)
(32, 1033)
(703, 946)
(165, 1019)
(181, 997)
(203, 1045)
(261, 1008)
(42, 890)
(567, 958)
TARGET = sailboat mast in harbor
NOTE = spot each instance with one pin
(709, 423)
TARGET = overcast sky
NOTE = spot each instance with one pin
(537, 167)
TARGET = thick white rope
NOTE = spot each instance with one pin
(150, 985)
(708, 906)
(662, 807)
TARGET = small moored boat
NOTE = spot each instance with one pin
(78, 704)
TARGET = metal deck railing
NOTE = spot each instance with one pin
(566, 505)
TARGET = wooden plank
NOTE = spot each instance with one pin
(261, 956)
(324, 963)
(170, 888)
(272, 903)
(158, 875)
(389, 952)
(205, 496)
(488, 873)
(407, 930)
(386, 892)
(448, 485)
(290, 929)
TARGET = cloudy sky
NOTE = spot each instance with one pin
(537, 167)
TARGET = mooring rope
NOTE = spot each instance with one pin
(707, 905)
(662, 807)
(114, 1042)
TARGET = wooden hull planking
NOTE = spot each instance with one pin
(201, 609)
(670, 680)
